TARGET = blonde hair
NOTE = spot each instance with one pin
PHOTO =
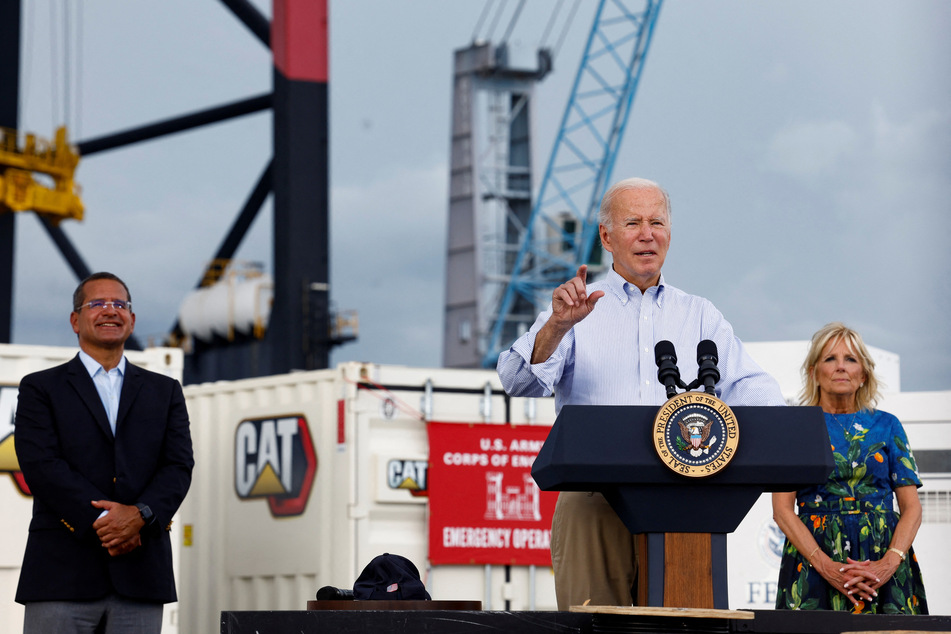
(868, 393)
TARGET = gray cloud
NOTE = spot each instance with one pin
(808, 171)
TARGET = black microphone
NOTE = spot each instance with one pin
(708, 374)
(665, 356)
(330, 593)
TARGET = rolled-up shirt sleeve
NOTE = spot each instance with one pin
(520, 377)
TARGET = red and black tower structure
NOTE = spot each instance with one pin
(9, 118)
(298, 334)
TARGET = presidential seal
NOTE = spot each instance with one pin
(695, 434)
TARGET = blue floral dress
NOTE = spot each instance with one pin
(851, 515)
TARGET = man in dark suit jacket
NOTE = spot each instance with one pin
(106, 451)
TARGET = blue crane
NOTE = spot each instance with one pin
(563, 225)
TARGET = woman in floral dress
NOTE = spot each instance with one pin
(847, 549)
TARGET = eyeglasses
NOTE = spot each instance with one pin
(99, 304)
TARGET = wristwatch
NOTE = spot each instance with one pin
(147, 516)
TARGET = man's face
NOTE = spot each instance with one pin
(107, 327)
(639, 236)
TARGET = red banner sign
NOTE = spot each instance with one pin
(484, 506)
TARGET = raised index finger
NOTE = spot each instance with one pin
(583, 273)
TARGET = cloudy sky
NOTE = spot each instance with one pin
(806, 146)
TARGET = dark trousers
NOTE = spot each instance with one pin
(112, 615)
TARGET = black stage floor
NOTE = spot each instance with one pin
(484, 622)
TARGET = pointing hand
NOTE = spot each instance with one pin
(571, 303)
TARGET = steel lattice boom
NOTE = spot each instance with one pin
(563, 225)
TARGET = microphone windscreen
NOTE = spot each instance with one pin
(665, 349)
(707, 348)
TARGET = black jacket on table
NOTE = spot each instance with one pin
(69, 457)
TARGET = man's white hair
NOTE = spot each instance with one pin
(604, 213)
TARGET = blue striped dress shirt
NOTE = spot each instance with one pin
(608, 357)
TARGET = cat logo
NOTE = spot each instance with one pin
(8, 457)
(274, 459)
(409, 475)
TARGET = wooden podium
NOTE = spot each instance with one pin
(681, 522)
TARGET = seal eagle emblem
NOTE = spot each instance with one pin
(695, 430)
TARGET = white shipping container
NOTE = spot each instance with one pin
(16, 361)
(241, 555)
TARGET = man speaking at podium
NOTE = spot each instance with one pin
(595, 346)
